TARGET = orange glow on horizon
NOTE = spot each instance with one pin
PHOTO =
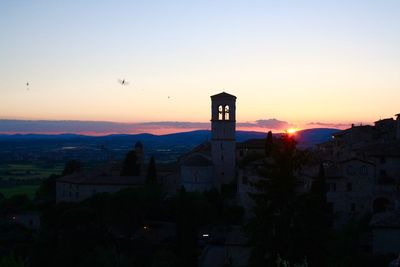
(291, 131)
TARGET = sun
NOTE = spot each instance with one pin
(291, 130)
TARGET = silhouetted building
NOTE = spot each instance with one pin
(213, 164)
(79, 186)
(362, 168)
(106, 179)
(223, 130)
(139, 150)
(386, 233)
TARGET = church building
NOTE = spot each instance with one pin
(212, 165)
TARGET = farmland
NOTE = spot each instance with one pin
(25, 178)
(28, 190)
(28, 171)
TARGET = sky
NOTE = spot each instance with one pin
(304, 63)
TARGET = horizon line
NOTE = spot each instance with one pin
(101, 128)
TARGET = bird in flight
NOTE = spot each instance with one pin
(123, 82)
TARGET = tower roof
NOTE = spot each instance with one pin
(223, 95)
(197, 160)
(138, 144)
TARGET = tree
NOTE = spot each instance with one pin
(272, 231)
(269, 144)
(10, 261)
(72, 166)
(187, 228)
(16, 203)
(289, 225)
(164, 258)
(130, 165)
(318, 186)
(151, 177)
(47, 190)
(316, 221)
(153, 191)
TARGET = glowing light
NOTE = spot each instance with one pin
(291, 130)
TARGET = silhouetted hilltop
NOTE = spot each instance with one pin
(311, 137)
(305, 138)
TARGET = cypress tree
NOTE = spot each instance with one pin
(72, 166)
(151, 177)
(316, 220)
(272, 231)
(130, 166)
(187, 227)
(269, 144)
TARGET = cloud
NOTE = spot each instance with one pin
(330, 125)
(174, 124)
(273, 124)
(106, 127)
(263, 125)
(96, 127)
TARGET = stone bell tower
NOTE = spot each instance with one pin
(223, 144)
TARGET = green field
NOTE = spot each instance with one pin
(24, 173)
(29, 171)
(28, 190)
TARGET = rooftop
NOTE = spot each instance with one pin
(197, 160)
(382, 150)
(358, 128)
(138, 144)
(385, 120)
(223, 95)
(252, 144)
(357, 159)
(86, 178)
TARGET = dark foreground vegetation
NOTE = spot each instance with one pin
(134, 227)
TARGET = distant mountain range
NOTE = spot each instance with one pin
(311, 137)
(305, 138)
(59, 148)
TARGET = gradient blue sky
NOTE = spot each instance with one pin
(297, 61)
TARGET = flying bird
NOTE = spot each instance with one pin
(123, 82)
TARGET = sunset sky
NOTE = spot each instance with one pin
(304, 63)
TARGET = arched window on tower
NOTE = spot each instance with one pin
(226, 113)
(220, 113)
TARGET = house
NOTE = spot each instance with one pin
(249, 148)
(362, 168)
(248, 176)
(79, 186)
(386, 233)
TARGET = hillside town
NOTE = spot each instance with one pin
(360, 167)
(219, 203)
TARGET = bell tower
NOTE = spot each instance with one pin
(223, 144)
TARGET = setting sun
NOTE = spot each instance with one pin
(291, 130)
